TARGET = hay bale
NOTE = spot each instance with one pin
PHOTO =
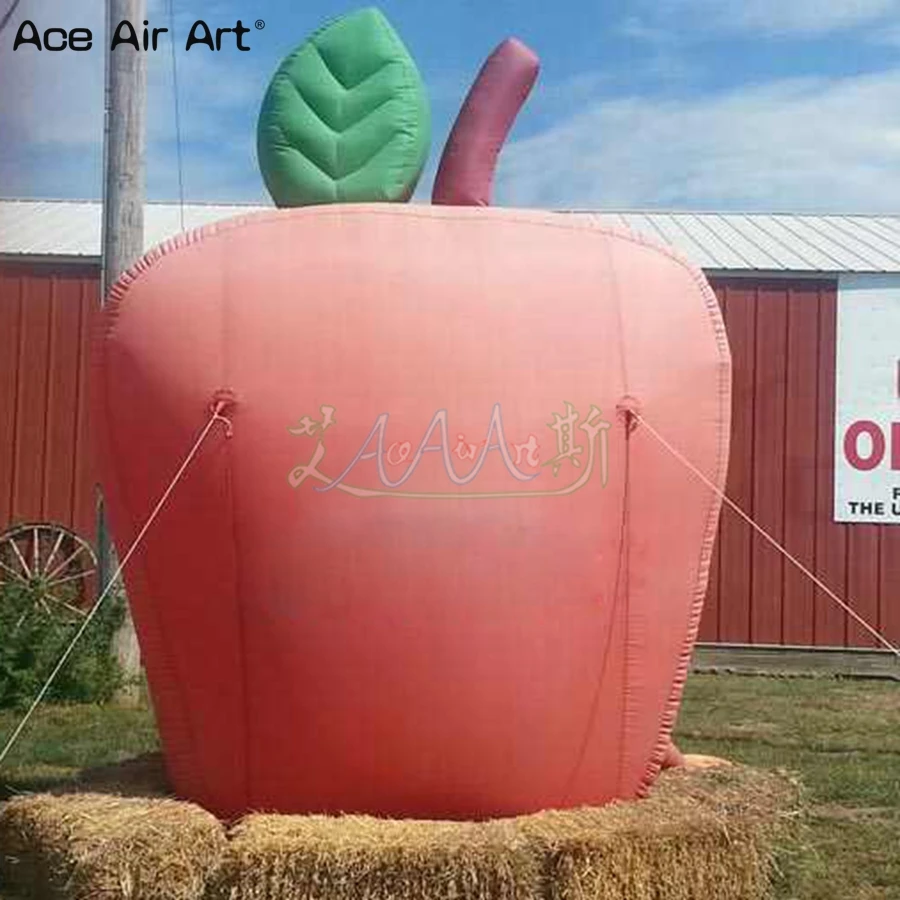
(102, 847)
(700, 761)
(703, 834)
(273, 857)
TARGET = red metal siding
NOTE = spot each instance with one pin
(781, 472)
(45, 315)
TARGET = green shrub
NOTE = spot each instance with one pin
(32, 639)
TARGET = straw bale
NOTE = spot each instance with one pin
(104, 847)
(364, 858)
(703, 834)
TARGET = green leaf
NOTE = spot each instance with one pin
(345, 118)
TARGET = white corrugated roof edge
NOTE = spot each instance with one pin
(759, 242)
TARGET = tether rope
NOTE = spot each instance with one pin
(872, 631)
(216, 416)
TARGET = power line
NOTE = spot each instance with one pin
(9, 14)
(171, 5)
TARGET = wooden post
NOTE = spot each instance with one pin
(123, 234)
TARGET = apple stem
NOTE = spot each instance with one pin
(466, 172)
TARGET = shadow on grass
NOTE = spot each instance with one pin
(61, 741)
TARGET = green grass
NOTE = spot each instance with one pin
(61, 740)
(841, 736)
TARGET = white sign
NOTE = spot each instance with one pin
(867, 408)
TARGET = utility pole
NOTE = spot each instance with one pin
(123, 233)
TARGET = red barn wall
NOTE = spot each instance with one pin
(782, 335)
(45, 320)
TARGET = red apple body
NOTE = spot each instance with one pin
(431, 573)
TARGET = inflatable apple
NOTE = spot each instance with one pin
(435, 566)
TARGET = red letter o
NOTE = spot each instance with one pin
(851, 440)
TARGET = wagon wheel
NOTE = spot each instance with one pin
(53, 566)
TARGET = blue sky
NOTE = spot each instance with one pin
(679, 104)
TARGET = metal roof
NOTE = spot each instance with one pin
(772, 242)
(720, 242)
(73, 228)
